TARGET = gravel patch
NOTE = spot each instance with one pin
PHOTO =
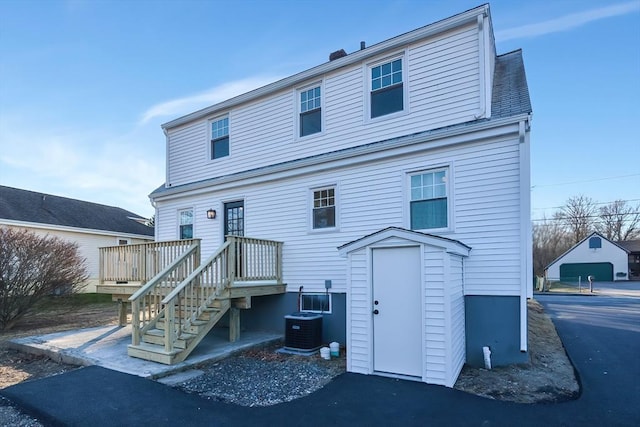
(10, 416)
(263, 377)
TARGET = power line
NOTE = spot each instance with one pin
(595, 203)
(586, 216)
(586, 180)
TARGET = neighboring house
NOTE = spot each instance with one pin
(595, 256)
(412, 157)
(90, 225)
(633, 247)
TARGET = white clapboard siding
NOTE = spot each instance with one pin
(457, 352)
(359, 321)
(443, 81)
(435, 318)
(372, 197)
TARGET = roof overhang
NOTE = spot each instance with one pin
(409, 144)
(449, 245)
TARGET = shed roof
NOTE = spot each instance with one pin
(450, 245)
(40, 208)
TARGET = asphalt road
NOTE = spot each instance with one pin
(602, 336)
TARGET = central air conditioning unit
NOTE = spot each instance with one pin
(303, 332)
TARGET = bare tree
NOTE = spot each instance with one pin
(620, 221)
(33, 267)
(578, 217)
(550, 240)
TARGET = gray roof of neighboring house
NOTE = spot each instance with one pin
(630, 245)
(510, 99)
(30, 206)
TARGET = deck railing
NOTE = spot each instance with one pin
(239, 260)
(140, 262)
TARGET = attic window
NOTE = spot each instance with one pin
(595, 243)
(387, 90)
(220, 138)
(310, 111)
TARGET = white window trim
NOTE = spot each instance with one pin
(317, 311)
(336, 195)
(367, 87)
(210, 137)
(193, 225)
(450, 199)
(297, 112)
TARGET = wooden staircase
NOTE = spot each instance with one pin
(152, 345)
(175, 310)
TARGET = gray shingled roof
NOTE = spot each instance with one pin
(630, 245)
(29, 206)
(510, 90)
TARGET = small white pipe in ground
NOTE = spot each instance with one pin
(487, 357)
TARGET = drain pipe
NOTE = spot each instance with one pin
(487, 357)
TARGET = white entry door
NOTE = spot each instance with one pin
(397, 308)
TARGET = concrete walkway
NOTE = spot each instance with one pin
(107, 347)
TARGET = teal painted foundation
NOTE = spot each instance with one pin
(493, 321)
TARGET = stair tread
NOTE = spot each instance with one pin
(154, 348)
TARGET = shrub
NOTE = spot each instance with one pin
(32, 267)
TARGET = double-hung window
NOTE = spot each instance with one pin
(310, 111)
(220, 138)
(387, 90)
(185, 224)
(324, 208)
(429, 200)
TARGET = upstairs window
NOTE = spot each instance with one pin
(220, 138)
(324, 208)
(387, 91)
(185, 220)
(429, 200)
(310, 111)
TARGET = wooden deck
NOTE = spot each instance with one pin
(183, 299)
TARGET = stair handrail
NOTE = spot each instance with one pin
(190, 309)
(149, 287)
(197, 271)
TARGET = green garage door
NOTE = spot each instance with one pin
(602, 271)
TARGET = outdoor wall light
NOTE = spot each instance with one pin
(211, 214)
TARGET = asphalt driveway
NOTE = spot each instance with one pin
(601, 334)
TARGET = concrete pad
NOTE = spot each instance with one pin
(107, 347)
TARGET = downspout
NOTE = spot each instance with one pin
(525, 227)
(166, 143)
(481, 68)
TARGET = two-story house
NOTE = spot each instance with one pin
(397, 177)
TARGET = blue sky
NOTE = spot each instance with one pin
(85, 85)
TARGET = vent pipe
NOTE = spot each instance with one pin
(362, 45)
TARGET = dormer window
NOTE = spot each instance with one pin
(220, 138)
(310, 111)
(387, 89)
